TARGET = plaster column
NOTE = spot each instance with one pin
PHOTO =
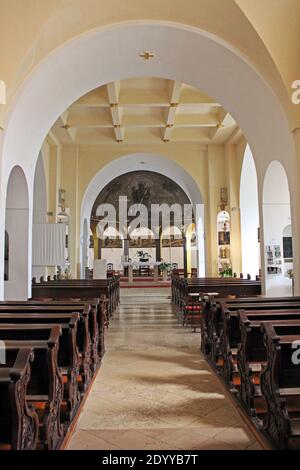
(126, 247)
(233, 172)
(216, 181)
(295, 211)
(69, 182)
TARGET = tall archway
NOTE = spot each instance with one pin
(39, 215)
(249, 216)
(113, 52)
(165, 183)
(17, 228)
(277, 216)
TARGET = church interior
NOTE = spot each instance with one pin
(149, 215)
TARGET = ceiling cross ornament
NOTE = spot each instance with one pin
(147, 55)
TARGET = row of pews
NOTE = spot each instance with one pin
(253, 344)
(54, 345)
(79, 288)
(182, 287)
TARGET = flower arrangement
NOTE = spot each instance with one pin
(226, 270)
(165, 266)
(143, 255)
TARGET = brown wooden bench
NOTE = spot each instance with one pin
(280, 385)
(45, 387)
(68, 356)
(79, 289)
(227, 334)
(98, 305)
(19, 423)
(251, 354)
(181, 287)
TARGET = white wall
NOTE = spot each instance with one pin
(17, 226)
(249, 216)
(175, 255)
(113, 255)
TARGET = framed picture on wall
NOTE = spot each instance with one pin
(287, 247)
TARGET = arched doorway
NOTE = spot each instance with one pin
(140, 205)
(249, 216)
(277, 216)
(17, 230)
(39, 215)
(159, 165)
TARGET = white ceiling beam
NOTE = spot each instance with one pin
(171, 113)
(63, 131)
(225, 120)
(113, 92)
(235, 137)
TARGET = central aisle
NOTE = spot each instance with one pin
(154, 389)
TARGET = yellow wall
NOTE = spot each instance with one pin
(211, 167)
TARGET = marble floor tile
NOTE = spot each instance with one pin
(155, 390)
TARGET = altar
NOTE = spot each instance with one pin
(137, 264)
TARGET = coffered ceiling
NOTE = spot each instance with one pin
(145, 110)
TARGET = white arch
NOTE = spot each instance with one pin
(157, 164)
(132, 162)
(277, 215)
(39, 213)
(141, 232)
(249, 216)
(110, 53)
(17, 227)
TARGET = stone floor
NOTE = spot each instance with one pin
(155, 391)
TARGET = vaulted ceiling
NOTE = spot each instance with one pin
(145, 110)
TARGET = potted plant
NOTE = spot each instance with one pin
(165, 269)
(226, 270)
(143, 256)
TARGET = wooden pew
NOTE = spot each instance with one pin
(181, 287)
(280, 384)
(227, 335)
(213, 319)
(98, 305)
(252, 354)
(45, 387)
(79, 289)
(19, 423)
(212, 315)
(68, 358)
(88, 363)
